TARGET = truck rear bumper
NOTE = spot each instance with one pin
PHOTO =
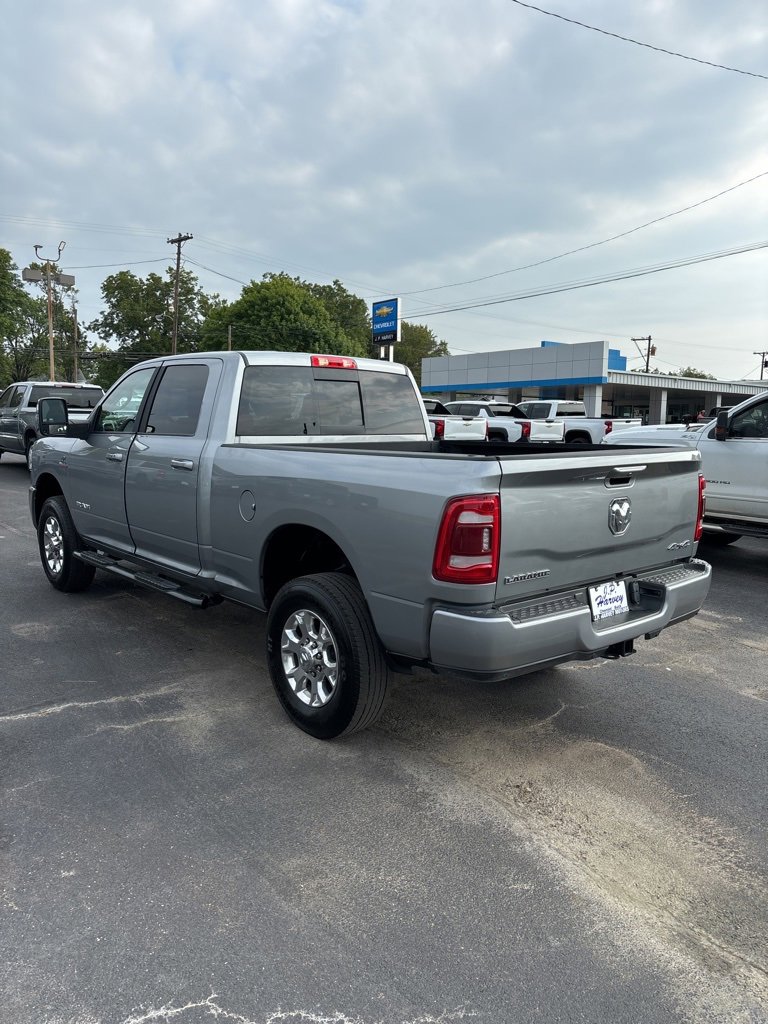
(497, 643)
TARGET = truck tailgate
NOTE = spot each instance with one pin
(567, 520)
(459, 428)
(547, 430)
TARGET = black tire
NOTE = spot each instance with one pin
(578, 439)
(29, 440)
(321, 625)
(495, 435)
(720, 540)
(58, 541)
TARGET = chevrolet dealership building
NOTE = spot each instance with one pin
(590, 371)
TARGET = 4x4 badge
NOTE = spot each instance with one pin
(619, 515)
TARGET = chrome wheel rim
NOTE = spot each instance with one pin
(310, 659)
(53, 545)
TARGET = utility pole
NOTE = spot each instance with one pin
(178, 241)
(74, 339)
(229, 338)
(763, 361)
(33, 274)
(650, 351)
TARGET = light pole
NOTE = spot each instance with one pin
(33, 274)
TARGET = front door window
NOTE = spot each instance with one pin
(119, 412)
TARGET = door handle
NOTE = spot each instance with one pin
(182, 463)
(115, 456)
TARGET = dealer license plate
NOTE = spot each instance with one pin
(607, 599)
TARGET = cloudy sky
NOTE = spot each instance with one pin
(407, 148)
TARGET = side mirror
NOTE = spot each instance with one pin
(721, 430)
(52, 416)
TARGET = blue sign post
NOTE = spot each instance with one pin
(385, 320)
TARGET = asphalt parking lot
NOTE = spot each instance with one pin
(584, 845)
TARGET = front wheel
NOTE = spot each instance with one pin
(325, 659)
(28, 442)
(58, 542)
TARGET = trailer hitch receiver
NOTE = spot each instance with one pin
(622, 649)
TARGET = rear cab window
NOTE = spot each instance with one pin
(76, 398)
(291, 401)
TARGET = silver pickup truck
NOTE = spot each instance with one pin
(309, 487)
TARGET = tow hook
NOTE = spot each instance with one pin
(622, 649)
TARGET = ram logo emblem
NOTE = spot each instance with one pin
(619, 515)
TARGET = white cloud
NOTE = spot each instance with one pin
(404, 146)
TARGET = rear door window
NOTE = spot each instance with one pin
(176, 406)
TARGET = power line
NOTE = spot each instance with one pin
(188, 259)
(592, 245)
(591, 283)
(104, 266)
(628, 39)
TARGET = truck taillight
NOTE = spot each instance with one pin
(467, 549)
(608, 426)
(439, 428)
(702, 508)
(333, 362)
(526, 427)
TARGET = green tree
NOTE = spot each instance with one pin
(416, 343)
(349, 311)
(23, 327)
(137, 318)
(283, 314)
(691, 371)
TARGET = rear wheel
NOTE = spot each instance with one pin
(58, 542)
(578, 439)
(325, 659)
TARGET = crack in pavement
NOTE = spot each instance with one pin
(167, 1012)
(55, 709)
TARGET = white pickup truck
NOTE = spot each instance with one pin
(578, 427)
(734, 458)
(507, 422)
(447, 426)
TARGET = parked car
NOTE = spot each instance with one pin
(18, 408)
